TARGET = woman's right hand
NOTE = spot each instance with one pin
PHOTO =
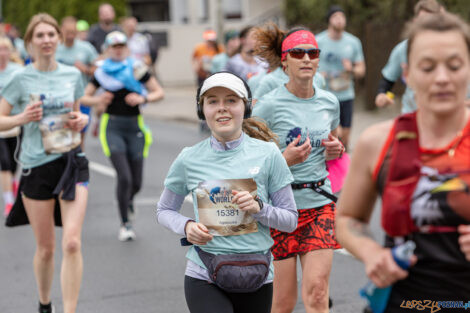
(382, 100)
(197, 233)
(32, 113)
(382, 269)
(297, 154)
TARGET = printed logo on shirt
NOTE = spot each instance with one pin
(254, 170)
(316, 136)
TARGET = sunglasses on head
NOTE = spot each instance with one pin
(298, 53)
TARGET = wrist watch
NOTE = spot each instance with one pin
(260, 202)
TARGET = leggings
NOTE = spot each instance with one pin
(204, 297)
(125, 141)
(7, 151)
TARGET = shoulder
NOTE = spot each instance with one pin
(262, 146)
(371, 142)
(14, 66)
(321, 35)
(326, 96)
(84, 44)
(401, 47)
(67, 69)
(94, 28)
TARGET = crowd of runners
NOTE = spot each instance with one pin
(278, 107)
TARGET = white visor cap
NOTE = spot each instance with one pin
(226, 80)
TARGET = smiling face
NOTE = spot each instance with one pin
(224, 112)
(439, 70)
(303, 69)
(44, 40)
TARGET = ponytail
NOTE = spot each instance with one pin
(256, 128)
(269, 43)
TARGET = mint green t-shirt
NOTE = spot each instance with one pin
(59, 88)
(277, 78)
(253, 158)
(219, 62)
(289, 116)
(349, 47)
(254, 81)
(82, 51)
(6, 75)
(393, 71)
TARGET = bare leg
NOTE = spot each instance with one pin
(41, 218)
(316, 268)
(285, 286)
(73, 214)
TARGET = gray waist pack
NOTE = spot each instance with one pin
(238, 273)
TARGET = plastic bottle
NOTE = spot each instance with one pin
(378, 297)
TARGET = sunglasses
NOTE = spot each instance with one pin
(298, 53)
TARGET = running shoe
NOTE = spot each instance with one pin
(126, 233)
(50, 309)
(8, 208)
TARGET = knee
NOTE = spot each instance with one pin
(285, 303)
(45, 252)
(71, 245)
(315, 294)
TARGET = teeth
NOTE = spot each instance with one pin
(223, 119)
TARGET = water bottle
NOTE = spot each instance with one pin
(378, 297)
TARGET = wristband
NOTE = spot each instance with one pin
(260, 202)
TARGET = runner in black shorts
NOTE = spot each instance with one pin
(54, 182)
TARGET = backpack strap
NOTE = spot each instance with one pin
(402, 177)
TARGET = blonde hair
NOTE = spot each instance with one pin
(429, 6)
(14, 57)
(35, 21)
(440, 22)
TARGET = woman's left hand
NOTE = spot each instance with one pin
(77, 121)
(133, 99)
(333, 147)
(245, 201)
(464, 240)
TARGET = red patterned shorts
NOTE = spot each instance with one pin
(315, 230)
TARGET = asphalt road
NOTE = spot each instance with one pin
(145, 275)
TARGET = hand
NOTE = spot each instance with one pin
(245, 201)
(464, 240)
(32, 113)
(77, 121)
(382, 269)
(333, 147)
(81, 67)
(381, 100)
(197, 233)
(106, 98)
(295, 155)
(134, 99)
(348, 66)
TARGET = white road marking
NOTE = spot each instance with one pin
(103, 169)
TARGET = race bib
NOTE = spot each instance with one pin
(218, 213)
(55, 137)
(339, 82)
(15, 131)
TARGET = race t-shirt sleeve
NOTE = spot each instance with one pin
(79, 88)
(176, 179)
(279, 175)
(393, 69)
(12, 91)
(358, 53)
(92, 55)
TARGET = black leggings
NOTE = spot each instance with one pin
(204, 297)
(129, 181)
(7, 152)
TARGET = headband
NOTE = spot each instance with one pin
(297, 38)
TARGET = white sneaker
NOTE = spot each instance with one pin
(126, 233)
